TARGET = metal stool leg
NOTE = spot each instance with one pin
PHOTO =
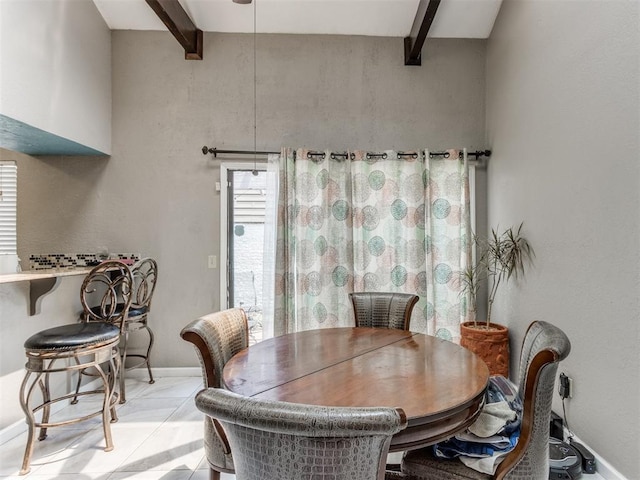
(115, 366)
(106, 410)
(75, 399)
(123, 368)
(148, 357)
(46, 399)
(25, 396)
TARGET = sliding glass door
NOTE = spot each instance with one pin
(243, 216)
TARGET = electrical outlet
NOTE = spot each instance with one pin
(565, 388)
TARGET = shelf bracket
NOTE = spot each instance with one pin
(39, 288)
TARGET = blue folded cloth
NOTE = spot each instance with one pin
(464, 444)
(495, 432)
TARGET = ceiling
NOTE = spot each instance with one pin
(385, 18)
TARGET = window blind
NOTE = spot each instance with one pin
(8, 207)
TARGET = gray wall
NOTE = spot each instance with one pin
(563, 122)
(156, 194)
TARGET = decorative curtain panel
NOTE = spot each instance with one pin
(369, 222)
(448, 243)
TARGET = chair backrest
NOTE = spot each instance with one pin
(106, 293)
(544, 346)
(274, 440)
(145, 274)
(383, 309)
(217, 337)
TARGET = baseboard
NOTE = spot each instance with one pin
(141, 373)
(604, 468)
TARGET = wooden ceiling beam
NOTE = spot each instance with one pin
(180, 25)
(421, 24)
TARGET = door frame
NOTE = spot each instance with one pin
(225, 168)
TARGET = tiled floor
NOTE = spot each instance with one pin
(158, 436)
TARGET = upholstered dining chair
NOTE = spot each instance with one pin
(383, 309)
(74, 348)
(145, 275)
(217, 337)
(543, 348)
(274, 440)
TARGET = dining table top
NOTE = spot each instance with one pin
(439, 385)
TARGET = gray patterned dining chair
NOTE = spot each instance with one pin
(217, 337)
(383, 309)
(543, 348)
(274, 440)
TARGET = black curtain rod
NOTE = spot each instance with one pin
(215, 151)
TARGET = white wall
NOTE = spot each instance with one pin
(563, 123)
(55, 69)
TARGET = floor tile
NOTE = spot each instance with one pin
(87, 454)
(148, 410)
(173, 446)
(158, 437)
(165, 387)
(61, 476)
(12, 452)
(204, 475)
(153, 475)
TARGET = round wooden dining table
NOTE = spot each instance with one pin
(439, 385)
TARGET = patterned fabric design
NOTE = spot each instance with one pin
(383, 310)
(217, 452)
(362, 223)
(286, 441)
(388, 226)
(533, 463)
(448, 244)
(223, 334)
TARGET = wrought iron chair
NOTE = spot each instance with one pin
(383, 309)
(274, 440)
(75, 347)
(145, 274)
(217, 337)
(543, 348)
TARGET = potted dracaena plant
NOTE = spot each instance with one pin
(501, 257)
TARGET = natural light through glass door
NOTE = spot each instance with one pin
(245, 215)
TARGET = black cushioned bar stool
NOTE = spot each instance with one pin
(75, 347)
(145, 273)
